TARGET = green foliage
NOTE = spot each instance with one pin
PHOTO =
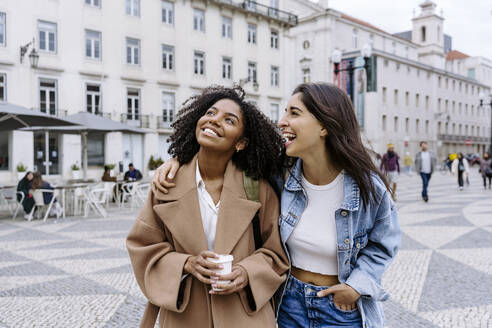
(75, 167)
(21, 168)
(154, 163)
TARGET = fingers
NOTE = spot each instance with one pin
(174, 169)
(345, 307)
(229, 288)
(206, 254)
(326, 292)
(230, 276)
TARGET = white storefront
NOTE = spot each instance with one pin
(132, 61)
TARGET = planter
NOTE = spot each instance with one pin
(20, 175)
(111, 172)
(76, 175)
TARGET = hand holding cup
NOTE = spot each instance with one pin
(202, 268)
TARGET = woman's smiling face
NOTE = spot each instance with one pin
(301, 131)
(221, 128)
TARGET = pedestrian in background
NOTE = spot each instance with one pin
(461, 168)
(407, 162)
(24, 186)
(425, 162)
(486, 169)
(390, 166)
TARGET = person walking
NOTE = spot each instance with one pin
(425, 163)
(460, 168)
(219, 139)
(390, 166)
(338, 223)
(407, 162)
(486, 169)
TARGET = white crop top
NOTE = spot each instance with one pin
(313, 243)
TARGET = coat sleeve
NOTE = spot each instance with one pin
(267, 266)
(157, 266)
(383, 243)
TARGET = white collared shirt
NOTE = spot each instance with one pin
(208, 210)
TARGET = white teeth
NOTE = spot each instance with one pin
(210, 131)
(289, 136)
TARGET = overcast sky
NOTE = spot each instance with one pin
(468, 22)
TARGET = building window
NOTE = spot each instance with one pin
(3, 19)
(439, 104)
(427, 127)
(226, 68)
(252, 72)
(95, 149)
(227, 27)
(133, 7)
(454, 107)
(132, 51)
(199, 63)
(47, 96)
(471, 73)
(396, 124)
(396, 97)
(355, 38)
(417, 125)
(274, 76)
(371, 40)
(94, 3)
(3, 87)
(252, 33)
(47, 36)
(422, 33)
(447, 83)
(168, 106)
(93, 44)
(384, 95)
(250, 5)
(198, 20)
(273, 39)
(459, 109)
(426, 102)
(167, 12)
(446, 105)
(167, 57)
(417, 100)
(393, 47)
(407, 96)
(306, 75)
(274, 112)
(439, 81)
(133, 104)
(407, 124)
(384, 122)
(93, 98)
(454, 85)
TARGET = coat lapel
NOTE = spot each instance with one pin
(236, 211)
(180, 211)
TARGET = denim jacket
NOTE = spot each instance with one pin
(368, 239)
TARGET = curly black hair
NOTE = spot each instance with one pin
(263, 155)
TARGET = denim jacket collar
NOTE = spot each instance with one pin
(351, 193)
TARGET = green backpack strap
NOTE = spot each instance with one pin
(252, 189)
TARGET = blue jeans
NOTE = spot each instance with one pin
(301, 308)
(425, 182)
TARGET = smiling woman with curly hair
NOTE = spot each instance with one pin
(179, 235)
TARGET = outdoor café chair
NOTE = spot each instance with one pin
(9, 197)
(95, 199)
(37, 195)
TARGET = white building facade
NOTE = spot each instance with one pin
(410, 93)
(133, 61)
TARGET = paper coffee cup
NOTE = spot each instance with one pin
(226, 262)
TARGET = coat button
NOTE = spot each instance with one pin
(344, 213)
(346, 241)
(357, 245)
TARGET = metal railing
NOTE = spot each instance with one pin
(161, 124)
(260, 9)
(459, 138)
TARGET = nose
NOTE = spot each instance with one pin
(282, 123)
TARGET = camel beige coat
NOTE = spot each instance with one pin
(169, 229)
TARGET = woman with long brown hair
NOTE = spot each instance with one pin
(338, 223)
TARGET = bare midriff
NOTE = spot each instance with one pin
(314, 278)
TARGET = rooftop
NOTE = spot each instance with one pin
(455, 54)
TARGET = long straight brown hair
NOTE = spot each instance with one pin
(333, 109)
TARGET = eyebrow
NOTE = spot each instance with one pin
(227, 113)
(294, 107)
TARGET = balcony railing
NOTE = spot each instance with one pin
(161, 124)
(260, 9)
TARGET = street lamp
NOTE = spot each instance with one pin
(483, 103)
(33, 56)
(242, 82)
(336, 58)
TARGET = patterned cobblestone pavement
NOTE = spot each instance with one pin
(76, 272)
